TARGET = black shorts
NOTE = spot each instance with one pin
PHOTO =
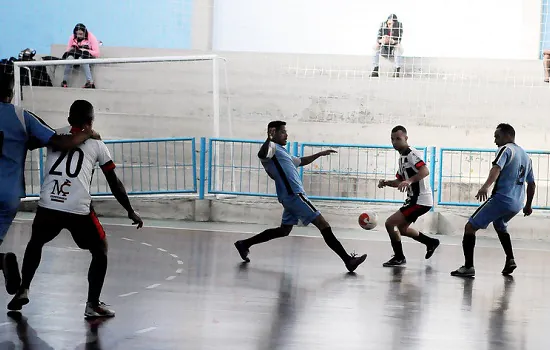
(413, 211)
(86, 230)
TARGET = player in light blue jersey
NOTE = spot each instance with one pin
(511, 169)
(283, 169)
(20, 130)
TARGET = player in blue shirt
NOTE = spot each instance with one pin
(283, 169)
(511, 169)
(20, 131)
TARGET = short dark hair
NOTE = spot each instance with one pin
(276, 124)
(507, 129)
(81, 113)
(399, 128)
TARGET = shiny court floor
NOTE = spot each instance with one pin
(186, 289)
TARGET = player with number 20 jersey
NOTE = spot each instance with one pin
(65, 203)
(67, 183)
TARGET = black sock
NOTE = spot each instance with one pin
(397, 249)
(265, 236)
(31, 261)
(1, 261)
(504, 238)
(422, 238)
(468, 244)
(334, 244)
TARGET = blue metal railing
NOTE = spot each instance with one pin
(462, 171)
(353, 173)
(458, 184)
(231, 166)
(234, 168)
(147, 166)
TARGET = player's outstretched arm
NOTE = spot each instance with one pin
(41, 134)
(118, 190)
(528, 209)
(422, 173)
(310, 159)
(68, 142)
(530, 179)
(390, 183)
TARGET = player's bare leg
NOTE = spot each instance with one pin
(430, 243)
(397, 226)
(352, 261)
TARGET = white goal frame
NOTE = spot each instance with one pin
(215, 76)
(18, 65)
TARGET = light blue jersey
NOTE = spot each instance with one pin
(283, 168)
(515, 170)
(20, 130)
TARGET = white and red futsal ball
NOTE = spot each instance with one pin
(368, 220)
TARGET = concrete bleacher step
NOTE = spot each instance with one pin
(436, 103)
(148, 103)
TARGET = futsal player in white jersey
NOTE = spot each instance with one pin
(412, 176)
(65, 203)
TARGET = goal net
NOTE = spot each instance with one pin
(135, 98)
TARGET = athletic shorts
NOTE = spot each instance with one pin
(413, 211)
(86, 230)
(298, 207)
(8, 210)
(496, 211)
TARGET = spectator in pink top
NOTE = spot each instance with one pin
(82, 45)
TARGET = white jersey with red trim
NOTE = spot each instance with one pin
(419, 192)
(68, 175)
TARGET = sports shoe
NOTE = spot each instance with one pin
(355, 261)
(89, 85)
(21, 298)
(11, 273)
(395, 261)
(243, 251)
(509, 267)
(99, 310)
(64, 84)
(431, 248)
(464, 271)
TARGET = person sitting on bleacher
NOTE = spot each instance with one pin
(82, 45)
(388, 45)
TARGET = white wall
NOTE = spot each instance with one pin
(433, 28)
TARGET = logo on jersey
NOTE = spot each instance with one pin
(60, 192)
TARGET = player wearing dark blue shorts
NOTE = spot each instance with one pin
(283, 169)
(20, 130)
(511, 170)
